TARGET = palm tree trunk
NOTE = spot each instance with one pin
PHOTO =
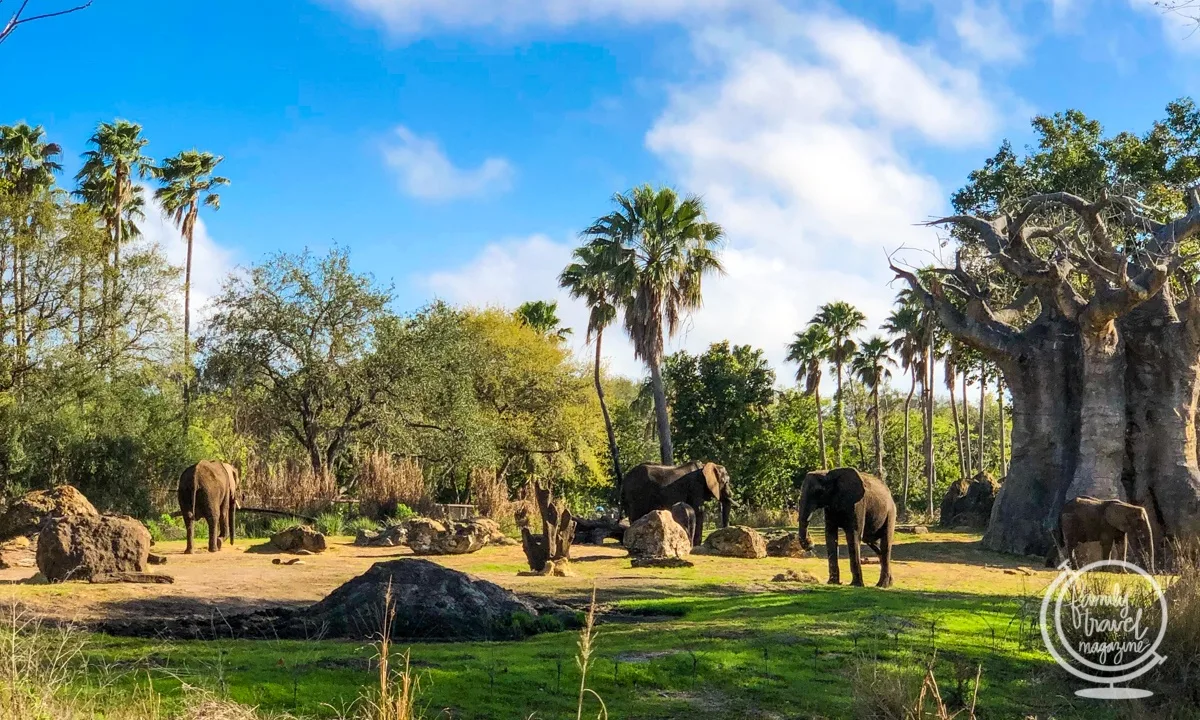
(930, 469)
(820, 426)
(912, 388)
(187, 326)
(982, 407)
(962, 458)
(839, 427)
(1000, 403)
(878, 433)
(966, 427)
(612, 437)
(666, 452)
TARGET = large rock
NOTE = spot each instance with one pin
(431, 537)
(18, 552)
(26, 515)
(736, 541)
(969, 503)
(657, 535)
(431, 602)
(298, 538)
(80, 547)
(389, 536)
(786, 545)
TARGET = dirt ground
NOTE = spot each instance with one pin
(243, 577)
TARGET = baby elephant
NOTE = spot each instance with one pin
(1087, 519)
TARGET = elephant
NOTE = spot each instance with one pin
(208, 490)
(649, 487)
(685, 515)
(859, 505)
(1088, 519)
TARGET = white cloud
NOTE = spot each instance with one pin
(211, 263)
(408, 17)
(511, 272)
(986, 31)
(425, 172)
(794, 144)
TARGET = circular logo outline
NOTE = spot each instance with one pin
(1148, 660)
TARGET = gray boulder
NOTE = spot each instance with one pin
(297, 539)
(657, 535)
(81, 547)
(736, 541)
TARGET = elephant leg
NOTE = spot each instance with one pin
(698, 533)
(214, 531)
(232, 510)
(189, 523)
(831, 549)
(885, 556)
(854, 545)
(1106, 546)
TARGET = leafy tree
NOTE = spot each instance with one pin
(187, 181)
(658, 248)
(720, 400)
(840, 320)
(809, 350)
(586, 278)
(542, 316)
(870, 364)
(299, 335)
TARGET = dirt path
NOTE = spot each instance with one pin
(239, 578)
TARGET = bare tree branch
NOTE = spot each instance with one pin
(16, 20)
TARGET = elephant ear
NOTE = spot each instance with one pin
(712, 479)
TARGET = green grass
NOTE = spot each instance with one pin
(789, 652)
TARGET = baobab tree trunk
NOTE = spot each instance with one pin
(1162, 344)
(1043, 376)
(1102, 412)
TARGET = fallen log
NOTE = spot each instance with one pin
(130, 577)
(266, 511)
(595, 532)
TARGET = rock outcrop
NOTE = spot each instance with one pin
(736, 541)
(786, 545)
(28, 513)
(297, 539)
(657, 535)
(82, 547)
(969, 504)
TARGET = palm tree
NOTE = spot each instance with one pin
(542, 317)
(950, 359)
(870, 364)
(809, 350)
(907, 325)
(588, 279)
(187, 180)
(106, 181)
(27, 168)
(658, 247)
(840, 319)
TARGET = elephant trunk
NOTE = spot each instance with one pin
(726, 504)
(804, 511)
(1145, 543)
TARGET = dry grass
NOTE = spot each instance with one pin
(490, 494)
(886, 694)
(395, 697)
(760, 517)
(587, 638)
(287, 485)
(384, 483)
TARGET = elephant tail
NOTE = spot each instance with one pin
(195, 489)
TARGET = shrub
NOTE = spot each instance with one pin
(361, 523)
(279, 524)
(330, 524)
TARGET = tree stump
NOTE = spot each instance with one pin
(558, 531)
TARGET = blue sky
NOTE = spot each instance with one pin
(456, 146)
